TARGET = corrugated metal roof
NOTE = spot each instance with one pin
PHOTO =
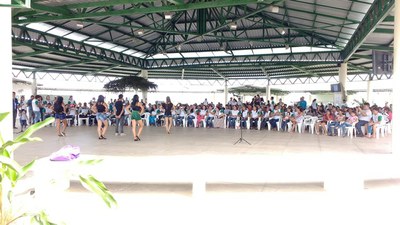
(323, 23)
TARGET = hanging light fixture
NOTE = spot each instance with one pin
(79, 24)
(282, 31)
(273, 9)
(167, 15)
(233, 26)
(140, 32)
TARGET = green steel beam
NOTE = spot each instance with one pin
(56, 10)
(73, 48)
(361, 68)
(341, 28)
(389, 19)
(177, 32)
(148, 10)
(376, 47)
(285, 24)
(65, 53)
(330, 6)
(105, 3)
(323, 15)
(289, 59)
(176, 2)
(362, 56)
(101, 70)
(384, 30)
(23, 55)
(304, 71)
(220, 26)
(57, 66)
(377, 13)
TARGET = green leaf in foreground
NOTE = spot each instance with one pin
(96, 186)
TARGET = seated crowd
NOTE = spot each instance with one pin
(257, 114)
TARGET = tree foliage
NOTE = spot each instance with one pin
(131, 82)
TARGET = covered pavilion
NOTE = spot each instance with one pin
(280, 41)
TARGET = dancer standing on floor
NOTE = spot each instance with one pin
(119, 116)
(101, 108)
(135, 109)
(60, 116)
(168, 107)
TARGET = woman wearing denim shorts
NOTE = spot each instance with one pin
(101, 108)
(59, 114)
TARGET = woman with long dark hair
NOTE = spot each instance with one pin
(168, 107)
(101, 108)
(60, 116)
(135, 109)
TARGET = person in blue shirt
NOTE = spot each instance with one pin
(15, 109)
(303, 103)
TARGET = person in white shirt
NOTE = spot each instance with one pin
(364, 116)
(254, 118)
(377, 119)
(233, 116)
(36, 104)
(210, 117)
(244, 116)
(49, 111)
(239, 102)
(180, 115)
(230, 101)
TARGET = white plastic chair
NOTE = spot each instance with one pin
(278, 124)
(146, 120)
(310, 123)
(259, 123)
(299, 126)
(351, 131)
(380, 130)
(80, 120)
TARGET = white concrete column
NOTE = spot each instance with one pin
(343, 80)
(396, 80)
(34, 85)
(369, 91)
(6, 126)
(268, 91)
(226, 92)
(145, 74)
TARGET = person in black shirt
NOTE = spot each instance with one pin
(119, 116)
(15, 109)
(168, 107)
(59, 114)
(101, 109)
(135, 109)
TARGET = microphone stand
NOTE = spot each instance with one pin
(241, 133)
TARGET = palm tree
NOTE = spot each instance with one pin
(131, 82)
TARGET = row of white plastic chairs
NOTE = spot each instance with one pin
(309, 122)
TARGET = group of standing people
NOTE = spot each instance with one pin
(134, 110)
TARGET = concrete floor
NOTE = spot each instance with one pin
(292, 166)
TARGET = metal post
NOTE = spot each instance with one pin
(34, 85)
(396, 73)
(6, 126)
(369, 91)
(226, 92)
(343, 80)
(145, 74)
(268, 90)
